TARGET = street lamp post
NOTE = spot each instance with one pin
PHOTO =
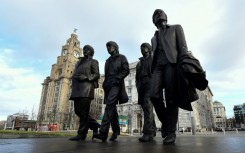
(130, 119)
(193, 127)
(120, 112)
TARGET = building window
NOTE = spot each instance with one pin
(129, 98)
(56, 94)
(129, 82)
(129, 90)
(57, 83)
(60, 72)
(57, 88)
(188, 116)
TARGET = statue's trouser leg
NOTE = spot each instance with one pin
(148, 117)
(110, 115)
(93, 124)
(165, 78)
(82, 107)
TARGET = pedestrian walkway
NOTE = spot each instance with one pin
(128, 144)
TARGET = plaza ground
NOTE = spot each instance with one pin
(229, 142)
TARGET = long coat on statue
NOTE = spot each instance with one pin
(119, 67)
(85, 88)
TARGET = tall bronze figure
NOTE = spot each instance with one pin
(84, 81)
(116, 69)
(143, 82)
(168, 44)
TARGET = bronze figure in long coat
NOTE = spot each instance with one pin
(84, 81)
(168, 44)
(116, 69)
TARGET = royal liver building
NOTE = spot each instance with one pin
(56, 111)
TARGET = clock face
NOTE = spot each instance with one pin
(64, 52)
(76, 53)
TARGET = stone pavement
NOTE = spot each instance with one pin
(128, 144)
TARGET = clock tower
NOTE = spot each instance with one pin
(55, 107)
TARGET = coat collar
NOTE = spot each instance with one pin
(113, 56)
(84, 58)
(142, 58)
(156, 32)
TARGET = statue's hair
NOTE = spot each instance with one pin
(155, 13)
(147, 45)
(113, 43)
(90, 48)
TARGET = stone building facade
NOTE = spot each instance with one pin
(219, 115)
(202, 113)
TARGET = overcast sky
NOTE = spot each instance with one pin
(32, 33)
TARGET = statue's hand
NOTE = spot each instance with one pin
(82, 77)
(116, 82)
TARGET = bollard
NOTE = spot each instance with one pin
(212, 131)
(193, 128)
(236, 131)
(5, 126)
(132, 132)
(223, 129)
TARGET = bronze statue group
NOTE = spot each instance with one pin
(166, 65)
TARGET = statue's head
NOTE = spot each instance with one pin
(88, 51)
(112, 47)
(159, 16)
(146, 49)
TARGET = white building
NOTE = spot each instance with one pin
(132, 114)
(219, 115)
